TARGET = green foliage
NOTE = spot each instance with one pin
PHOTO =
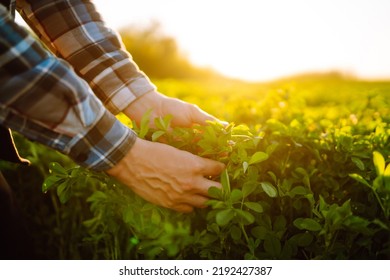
(307, 177)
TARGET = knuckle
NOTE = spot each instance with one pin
(190, 184)
(197, 166)
(192, 107)
(187, 187)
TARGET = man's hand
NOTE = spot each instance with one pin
(184, 114)
(162, 174)
(167, 176)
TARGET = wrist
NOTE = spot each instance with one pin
(121, 167)
(149, 101)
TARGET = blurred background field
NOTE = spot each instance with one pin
(161, 58)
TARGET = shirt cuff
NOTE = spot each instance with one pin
(105, 144)
(129, 92)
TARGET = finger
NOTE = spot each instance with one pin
(202, 186)
(197, 201)
(173, 202)
(184, 208)
(189, 202)
(211, 167)
(199, 116)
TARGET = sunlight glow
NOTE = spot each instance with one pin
(262, 39)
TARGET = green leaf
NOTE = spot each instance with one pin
(254, 206)
(159, 123)
(301, 171)
(379, 163)
(269, 189)
(271, 148)
(387, 171)
(56, 168)
(298, 191)
(386, 177)
(258, 157)
(346, 141)
(377, 183)
(323, 205)
(169, 228)
(157, 134)
(144, 125)
(259, 232)
(210, 135)
(302, 239)
(214, 228)
(215, 204)
(163, 123)
(156, 217)
(357, 224)
(63, 192)
(280, 223)
(215, 192)
(272, 175)
(236, 195)
(97, 196)
(307, 224)
(235, 233)
(248, 188)
(224, 217)
(75, 173)
(246, 215)
(358, 163)
(381, 224)
(277, 126)
(360, 179)
(225, 182)
(272, 245)
(306, 177)
(128, 215)
(236, 173)
(50, 182)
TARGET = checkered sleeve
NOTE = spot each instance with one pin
(43, 98)
(75, 31)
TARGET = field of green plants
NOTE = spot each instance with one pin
(307, 177)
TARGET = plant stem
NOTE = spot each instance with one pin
(244, 232)
(380, 203)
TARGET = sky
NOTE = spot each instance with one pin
(261, 40)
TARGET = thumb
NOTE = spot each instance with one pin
(200, 117)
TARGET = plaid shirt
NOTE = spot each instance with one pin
(57, 99)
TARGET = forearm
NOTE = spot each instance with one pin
(75, 31)
(42, 98)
